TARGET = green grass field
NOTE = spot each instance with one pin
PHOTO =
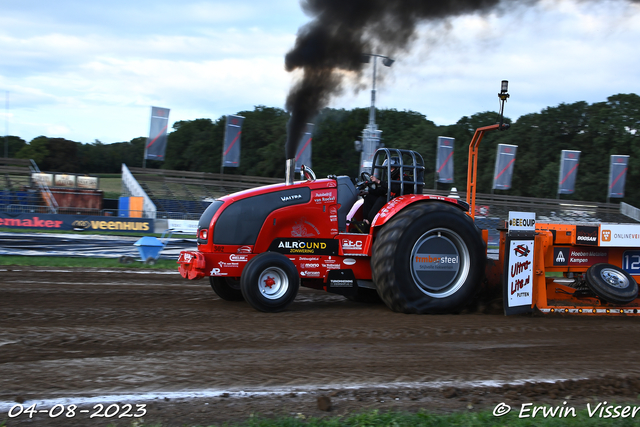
(83, 262)
(111, 185)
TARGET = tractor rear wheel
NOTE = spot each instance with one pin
(269, 282)
(611, 283)
(430, 258)
(227, 288)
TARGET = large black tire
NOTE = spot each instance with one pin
(611, 283)
(430, 258)
(227, 288)
(270, 282)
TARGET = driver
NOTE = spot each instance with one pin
(376, 197)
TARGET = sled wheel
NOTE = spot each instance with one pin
(611, 283)
(269, 282)
(429, 259)
(150, 261)
(227, 288)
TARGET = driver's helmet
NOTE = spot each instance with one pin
(395, 166)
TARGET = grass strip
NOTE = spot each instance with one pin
(375, 418)
(54, 261)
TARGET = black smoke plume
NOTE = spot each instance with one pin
(338, 36)
(341, 31)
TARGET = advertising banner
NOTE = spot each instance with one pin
(518, 289)
(75, 222)
(157, 141)
(503, 171)
(568, 171)
(183, 226)
(231, 146)
(303, 154)
(579, 257)
(64, 180)
(617, 175)
(444, 160)
(45, 179)
(89, 182)
(620, 235)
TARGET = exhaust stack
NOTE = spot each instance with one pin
(290, 171)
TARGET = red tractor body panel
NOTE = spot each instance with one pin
(306, 223)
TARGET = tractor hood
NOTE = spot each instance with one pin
(236, 219)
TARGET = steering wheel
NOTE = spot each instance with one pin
(366, 181)
(307, 173)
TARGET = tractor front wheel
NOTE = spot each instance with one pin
(227, 288)
(430, 258)
(269, 282)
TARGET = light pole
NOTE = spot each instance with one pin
(371, 134)
(385, 61)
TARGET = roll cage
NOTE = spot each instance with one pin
(410, 163)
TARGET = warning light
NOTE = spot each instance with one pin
(553, 310)
(621, 311)
(566, 310)
(608, 311)
(579, 310)
(594, 310)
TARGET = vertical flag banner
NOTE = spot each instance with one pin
(157, 141)
(231, 146)
(303, 153)
(568, 171)
(617, 175)
(444, 161)
(503, 171)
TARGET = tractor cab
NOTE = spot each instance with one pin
(401, 170)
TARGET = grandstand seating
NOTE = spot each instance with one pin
(189, 193)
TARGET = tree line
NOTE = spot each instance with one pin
(598, 130)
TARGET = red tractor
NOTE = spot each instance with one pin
(422, 253)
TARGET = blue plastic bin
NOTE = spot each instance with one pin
(149, 248)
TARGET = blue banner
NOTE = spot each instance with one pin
(53, 222)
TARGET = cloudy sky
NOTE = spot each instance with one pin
(86, 70)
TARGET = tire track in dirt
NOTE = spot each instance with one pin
(122, 332)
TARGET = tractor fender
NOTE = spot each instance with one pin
(397, 204)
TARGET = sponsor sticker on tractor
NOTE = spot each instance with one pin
(305, 246)
(631, 262)
(576, 257)
(522, 222)
(520, 273)
(620, 235)
(586, 235)
(435, 262)
(324, 197)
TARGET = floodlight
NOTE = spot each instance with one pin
(388, 61)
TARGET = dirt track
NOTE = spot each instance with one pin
(74, 334)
